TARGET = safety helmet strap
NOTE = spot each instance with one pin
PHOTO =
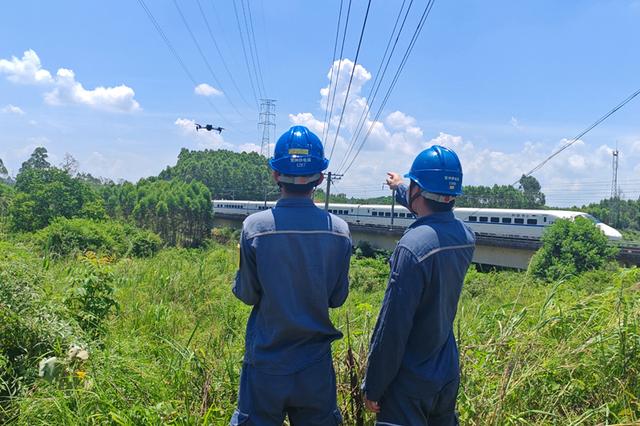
(298, 180)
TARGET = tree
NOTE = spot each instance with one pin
(4, 173)
(43, 194)
(38, 160)
(69, 164)
(531, 188)
(570, 248)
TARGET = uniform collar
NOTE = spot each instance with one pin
(295, 202)
(433, 218)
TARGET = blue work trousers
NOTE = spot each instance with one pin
(399, 409)
(308, 397)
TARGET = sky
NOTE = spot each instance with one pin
(503, 83)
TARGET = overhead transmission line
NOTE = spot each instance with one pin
(414, 38)
(251, 71)
(581, 134)
(175, 54)
(252, 42)
(353, 71)
(224, 63)
(377, 82)
(203, 56)
(333, 60)
(337, 78)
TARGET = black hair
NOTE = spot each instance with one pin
(293, 188)
(438, 207)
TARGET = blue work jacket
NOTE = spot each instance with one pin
(413, 342)
(294, 266)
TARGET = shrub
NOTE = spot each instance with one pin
(68, 236)
(569, 248)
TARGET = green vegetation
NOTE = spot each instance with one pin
(109, 238)
(227, 174)
(177, 211)
(165, 341)
(101, 325)
(571, 247)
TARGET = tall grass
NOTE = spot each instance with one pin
(531, 353)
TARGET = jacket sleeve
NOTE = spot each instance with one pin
(401, 195)
(341, 290)
(394, 323)
(247, 285)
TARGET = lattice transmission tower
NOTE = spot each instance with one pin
(268, 122)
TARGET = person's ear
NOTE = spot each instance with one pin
(320, 180)
(275, 175)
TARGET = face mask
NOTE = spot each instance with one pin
(409, 199)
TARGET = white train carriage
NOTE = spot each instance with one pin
(503, 223)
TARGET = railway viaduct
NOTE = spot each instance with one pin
(491, 251)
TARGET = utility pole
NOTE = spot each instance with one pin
(615, 191)
(330, 177)
(267, 120)
(393, 205)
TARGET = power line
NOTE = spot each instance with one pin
(175, 54)
(377, 83)
(333, 60)
(353, 70)
(203, 56)
(255, 45)
(224, 63)
(584, 132)
(421, 22)
(244, 51)
(335, 89)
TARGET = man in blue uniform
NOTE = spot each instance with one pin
(413, 373)
(294, 266)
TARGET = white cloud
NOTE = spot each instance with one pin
(66, 89)
(204, 89)
(12, 109)
(397, 138)
(27, 70)
(205, 139)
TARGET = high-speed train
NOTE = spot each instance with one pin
(505, 223)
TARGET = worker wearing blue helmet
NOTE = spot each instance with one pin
(412, 374)
(294, 266)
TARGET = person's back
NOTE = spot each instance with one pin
(301, 256)
(294, 266)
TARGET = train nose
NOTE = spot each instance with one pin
(611, 233)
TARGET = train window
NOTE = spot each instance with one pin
(518, 220)
(506, 220)
(545, 219)
(374, 213)
(473, 218)
(532, 221)
(495, 220)
(387, 214)
(395, 215)
(484, 219)
(402, 215)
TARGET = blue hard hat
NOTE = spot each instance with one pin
(298, 152)
(437, 170)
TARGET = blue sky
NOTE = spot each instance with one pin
(502, 82)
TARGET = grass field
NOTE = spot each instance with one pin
(565, 353)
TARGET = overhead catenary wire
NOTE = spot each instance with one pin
(421, 22)
(584, 132)
(337, 78)
(203, 56)
(333, 60)
(222, 59)
(377, 83)
(353, 70)
(175, 53)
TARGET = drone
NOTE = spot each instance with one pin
(209, 127)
